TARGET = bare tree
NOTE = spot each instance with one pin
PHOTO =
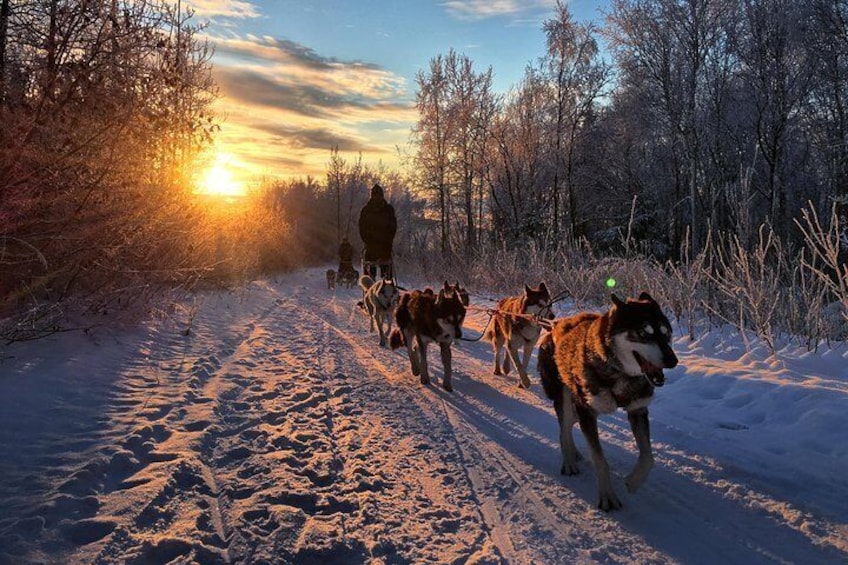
(456, 106)
(664, 45)
(433, 134)
(777, 76)
(826, 111)
(471, 110)
(578, 76)
(518, 156)
(104, 114)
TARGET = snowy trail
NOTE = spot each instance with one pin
(280, 432)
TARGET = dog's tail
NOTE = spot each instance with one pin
(365, 282)
(396, 339)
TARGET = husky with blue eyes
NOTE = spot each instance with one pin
(592, 364)
(424, 317)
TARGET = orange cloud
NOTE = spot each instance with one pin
(285, 106)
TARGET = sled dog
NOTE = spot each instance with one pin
(331, 279)
(379, 301)
(423, 317)
(591, 364)
(461, 292)
(513, 326)
(347, 277)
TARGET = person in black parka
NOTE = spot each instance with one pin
(377, 227)
(345, 256)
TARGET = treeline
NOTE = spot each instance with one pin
(702, 155)
(103, 111)
(707, 142)
(702, 116)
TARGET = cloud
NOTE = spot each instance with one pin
(240, 9)
(271, 49)
(318, 99)
(285, 106)
(315, 138)
(474, 10)
(295, 63)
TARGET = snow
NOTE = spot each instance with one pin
(278, 431)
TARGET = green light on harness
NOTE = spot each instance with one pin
(610, 282)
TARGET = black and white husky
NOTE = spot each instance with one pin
(424, 317)
(379, 301)
(592, 364)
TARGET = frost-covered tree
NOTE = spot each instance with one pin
(455, 108)
(577, 76)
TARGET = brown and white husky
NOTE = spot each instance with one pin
(513, 325)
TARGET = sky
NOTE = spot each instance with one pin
(298, 77)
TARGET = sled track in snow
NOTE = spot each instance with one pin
(520, 501)
(278, 431)
(508, 504)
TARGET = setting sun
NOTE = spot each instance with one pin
(219, 180)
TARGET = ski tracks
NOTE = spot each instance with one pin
(527, 517)
(283, 443)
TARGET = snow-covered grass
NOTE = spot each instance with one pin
(278, 431)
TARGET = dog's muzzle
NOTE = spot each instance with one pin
(656, 378)
(653, 373)
(669, 358)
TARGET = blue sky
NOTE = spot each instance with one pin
(299, 76)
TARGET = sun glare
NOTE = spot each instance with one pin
(219, 180)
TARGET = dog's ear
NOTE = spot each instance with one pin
(646, 296)
(543, 287)
(616, 300)
(447, 285)
(527, 289)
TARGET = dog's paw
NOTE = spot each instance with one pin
(425, 380)
(497, 371)
(524, 383)
(569, 469)
(609, 502)
(448, 387)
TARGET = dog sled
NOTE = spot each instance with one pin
(385, 267)
(346, 275)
